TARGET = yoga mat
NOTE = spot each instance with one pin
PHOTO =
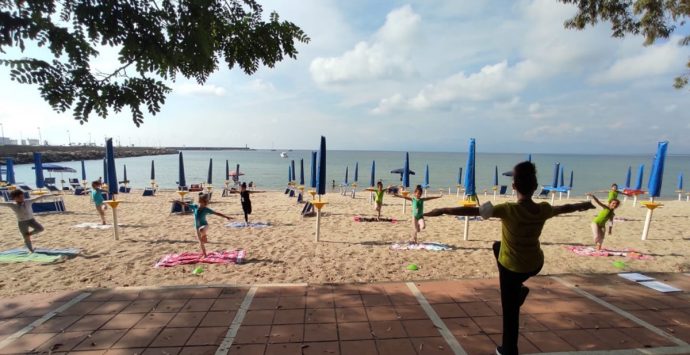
(40, 255)
(430, 246)
(591, 251)
(373, 219)
(214, 257)
(250, 225)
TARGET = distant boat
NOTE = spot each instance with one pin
(283, 155)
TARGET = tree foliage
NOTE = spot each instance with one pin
(156, 41)
(653, 19)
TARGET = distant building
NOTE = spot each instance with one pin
(7, 141)
(30, 141)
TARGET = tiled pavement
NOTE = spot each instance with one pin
(571, 313)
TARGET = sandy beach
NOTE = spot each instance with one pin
(349, 251)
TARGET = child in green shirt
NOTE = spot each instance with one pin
(599, 222)
(417, 210)
(200, 212)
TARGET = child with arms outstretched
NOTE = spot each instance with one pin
(417, 202)
(28, 226)
(97, 197)
(518, 254)
(200, 212)
(599, 222)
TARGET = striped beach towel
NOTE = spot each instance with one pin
(214, 257)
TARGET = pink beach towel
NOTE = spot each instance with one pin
(373, 219)
(214, 257)
(591, 251)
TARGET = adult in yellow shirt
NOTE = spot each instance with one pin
(518, 254)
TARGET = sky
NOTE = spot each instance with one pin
(417, 75)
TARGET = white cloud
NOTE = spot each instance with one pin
(544, 132)
(534, 107)
(651, 61)
(199, 90)
(262, 86)
(385, 55)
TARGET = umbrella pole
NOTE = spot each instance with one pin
(467, 227)
(647, 222)
(457, 191)
(115, 228)
(634, 200)
(494, 194)
(553, 197)
(318, 224)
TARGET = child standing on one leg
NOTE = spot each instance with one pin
(417, 202)
(599, 222)
(378, 199)
(200, 212)
(97, 197)
(518, 254)
(246, 201)
(28, 226)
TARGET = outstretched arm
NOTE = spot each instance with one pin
(453, 211)
(431, 198)
(597, 201)
(572, 207)
(403, 197)
(222, 215)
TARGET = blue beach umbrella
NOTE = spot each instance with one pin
(406, 171)
(470, 189)
(556, 170)
(182, 181)
(426, 176)
(570, 185)
(356, 171)
(496, 175)
(680, 180)
(640, 177)
(227, 170)
(529, 158)
(627, 177)
(346, 168)
(237, 172)
(38, 165)
(372, 179)
(10, 171)
(124, 174)
(83, 171)
(301, 172)
(153, 171)
(209, 177)
(312, 181)
(105, 171)
(460, 176)
(657, 174)
(321, 170)
(110, 160)
(292, 166)
(289, 174)
(561, 177)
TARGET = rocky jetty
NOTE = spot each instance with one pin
(23, 154)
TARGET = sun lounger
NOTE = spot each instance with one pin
(149, 191)
(49, 205)
(503, 189)
(74, 183)
(195, 188)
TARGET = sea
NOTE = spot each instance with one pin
(269, 171)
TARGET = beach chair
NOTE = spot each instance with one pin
(124, 189)
(74, 183)
(24, 188)
(50, 184)
(308, 210)
(49, 205)
(195, 188)
(299, 198)
(503, 189)
(149, 191)
(182, 209)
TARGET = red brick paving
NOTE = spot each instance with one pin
(349, 319)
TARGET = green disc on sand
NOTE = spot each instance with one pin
(619, 264)
(198, 270)
(412, 267)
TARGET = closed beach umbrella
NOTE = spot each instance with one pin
(406, 171)
(321, 168)
(110, 161)
(372, 179)
(657, 172)
(10, 171)
(655, 179)
(640, 177)
(356, 171)
(470, 189)
(496, 175)
(209, 177)
(301, 172)
(312, 181)
(105, 171)
(124, 175)
(83, 171)
(627, 177)
(38, 165)
(460, 176)
(182, 181)
(289, 174)
(153, 171)
(556, 170)
(426, 176)
(570, 185)
(346, 175)
(237, 172)
(561, 178)
(680, 180)
(292, 165)
(227, 170)
(529, 158)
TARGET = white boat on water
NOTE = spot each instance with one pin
(283, 155)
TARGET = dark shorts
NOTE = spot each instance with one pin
(29, 226)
